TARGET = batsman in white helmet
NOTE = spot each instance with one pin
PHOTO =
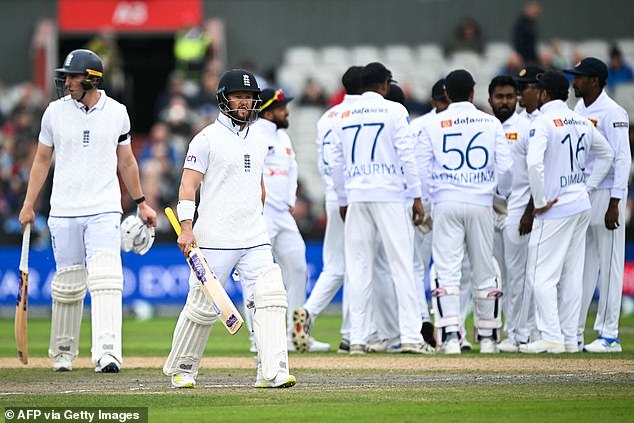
(227, 158)
(90, 135)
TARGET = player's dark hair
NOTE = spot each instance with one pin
(502, 81)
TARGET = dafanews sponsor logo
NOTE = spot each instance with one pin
(570, 121)
(465, 121)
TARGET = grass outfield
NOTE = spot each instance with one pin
(331, 387)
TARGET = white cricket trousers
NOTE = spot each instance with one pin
(289, 251)
(456, 226)
(333, 272)
(555, 269)
(518, 299)
(367, 225)
(605, 258)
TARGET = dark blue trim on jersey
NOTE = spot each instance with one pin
(123, 137)
(234, 249)
(84, 215)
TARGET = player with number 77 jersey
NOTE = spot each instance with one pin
(559, 142)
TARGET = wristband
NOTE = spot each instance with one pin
(185, 210)
(139, 200)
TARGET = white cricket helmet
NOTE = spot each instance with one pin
(135, 235)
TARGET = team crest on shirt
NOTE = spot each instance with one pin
(511, 136)
(86, 139)
(445, 123)
(595, 122)
(558, 122)
(247, 163)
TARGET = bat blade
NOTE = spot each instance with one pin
(22, 303)
(212, 288)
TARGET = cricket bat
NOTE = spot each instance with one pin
(213, 289)
(22, 304)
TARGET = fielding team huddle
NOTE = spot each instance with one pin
(505, 204)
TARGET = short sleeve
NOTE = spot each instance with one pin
(197, 157)
(124, 138)
(46, 132)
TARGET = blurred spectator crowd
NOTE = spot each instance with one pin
(188, 104)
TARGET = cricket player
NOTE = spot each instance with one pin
(559, 143)
(464, 159)
(503, 100)
(227, 158)
(280, 182)
(372, 142)
(90, 135)
(332, 276)
(605, 241)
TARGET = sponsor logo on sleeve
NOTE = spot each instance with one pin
(558, 122)
(620, 124)
(445, 123)
(190, 159)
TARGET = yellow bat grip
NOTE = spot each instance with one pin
(173, 220)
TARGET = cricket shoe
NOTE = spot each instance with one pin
(107, 364)
(488, 346)
(357, 349)
(317, 346)
(282, 380)
(301, 329)
(344, 347)
(465, 345)
(542, 346)
(423, 348)
(63, 363)
(183, 380)
(604, 345)
(573, 347)
(428, 333)
(508, 345)
(383, 345)
(450, 347)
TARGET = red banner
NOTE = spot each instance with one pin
(127, 16)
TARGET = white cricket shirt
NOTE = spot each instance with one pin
(324, 144)
(230, 208)
(516, 132)
(280, 166)
(85, 142)
(373, 152)
(465, 156)
(613, 123)
(558, 146)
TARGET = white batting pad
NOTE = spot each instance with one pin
(68, 290)
(269, 322)
(445, 302)
(105, 283)
(487, 316)
(191, 334)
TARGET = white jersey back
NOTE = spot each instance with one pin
(373, 150)
(516, 131)
(230, 209)
(85, 142)
(280, 166)
(613, 123)
(324, 144)
(465, 156)
(558, 147)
